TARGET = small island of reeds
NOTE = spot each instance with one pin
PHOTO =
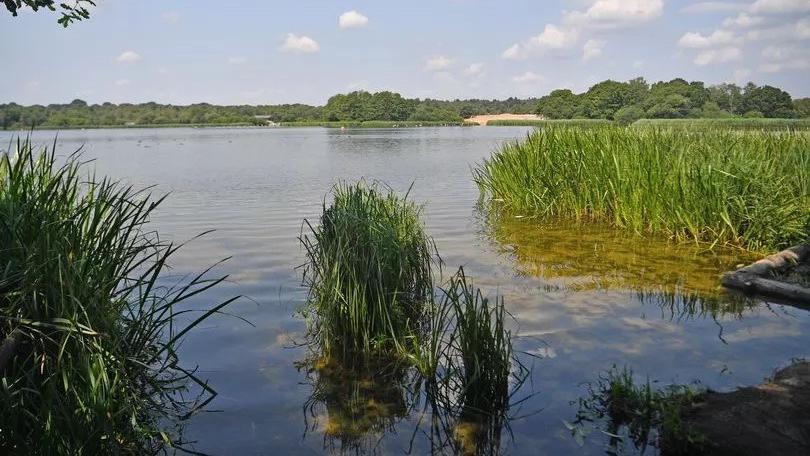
(743, 189)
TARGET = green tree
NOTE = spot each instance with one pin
(802, 107)
(605, 98)
(674, 106)
(559, 104)
(770, 101)
(628, 114)
(70, 10)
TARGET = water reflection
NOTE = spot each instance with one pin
(682, 279)
(356, 408)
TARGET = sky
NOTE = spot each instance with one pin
(271, 52)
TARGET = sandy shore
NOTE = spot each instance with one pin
(483, 119)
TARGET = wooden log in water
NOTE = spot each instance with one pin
(778, 261)
(750, 278)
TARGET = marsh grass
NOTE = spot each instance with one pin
(471, 370)
(639, 413)
(727, 124)
(743, 189)
(376, 124)
(373, 305)
(95, 368)
(369, 272)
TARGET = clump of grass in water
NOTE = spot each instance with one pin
(745, 189)
(368, 272)
(470, 364)
(640, 413)
(91, 332)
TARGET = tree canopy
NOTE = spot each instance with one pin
(621, 101)
(69, 10)
(673, 99)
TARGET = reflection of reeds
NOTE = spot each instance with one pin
(354, 406)
(368, 271)
(639, 413)
(473, 367)
(746, 189)
(91, 332)
(682, 279)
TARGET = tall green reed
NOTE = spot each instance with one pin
(744, 189)
(368, 270)
(93, 329)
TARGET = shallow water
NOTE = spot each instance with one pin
(583, 298)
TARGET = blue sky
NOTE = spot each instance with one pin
(267, 52)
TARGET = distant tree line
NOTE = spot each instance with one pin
(620, 101)
(636, 99)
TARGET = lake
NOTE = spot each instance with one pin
(583, 298)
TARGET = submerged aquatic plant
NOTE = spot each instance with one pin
(368, 270)
(470, 368)
(744, 189)
(639, 413)
(89, 330)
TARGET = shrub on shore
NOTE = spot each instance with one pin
(745, 189)
(89, 332)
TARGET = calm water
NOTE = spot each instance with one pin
(583, 299)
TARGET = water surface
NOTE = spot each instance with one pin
(583, 298)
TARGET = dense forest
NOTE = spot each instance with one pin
(675, 99)
(621, 101)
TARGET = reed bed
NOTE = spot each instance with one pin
(743, 189)
(376, 124)
(89, 330)
(368, 272)
(726, 124)
(585, 123)
(373, 304)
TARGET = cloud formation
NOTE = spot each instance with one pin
(128, 57)
(616, 13)
(552, 38)
(527, 78)
(352, 19)
(299, 44)
(438, 63)
(592, 49)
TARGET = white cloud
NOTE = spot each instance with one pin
(474, 69)
(239, 60)
(617, 13)
(170, 17)
(527, 77)
(438, 63)
(780, 6)
(122, 82)
(721, 55)
(352, 19)
(693, 40)
(592, 49)
(742, 20)
(785, 57)
(128, 57)
(299, 44)
(552, 38)
(713, 7)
